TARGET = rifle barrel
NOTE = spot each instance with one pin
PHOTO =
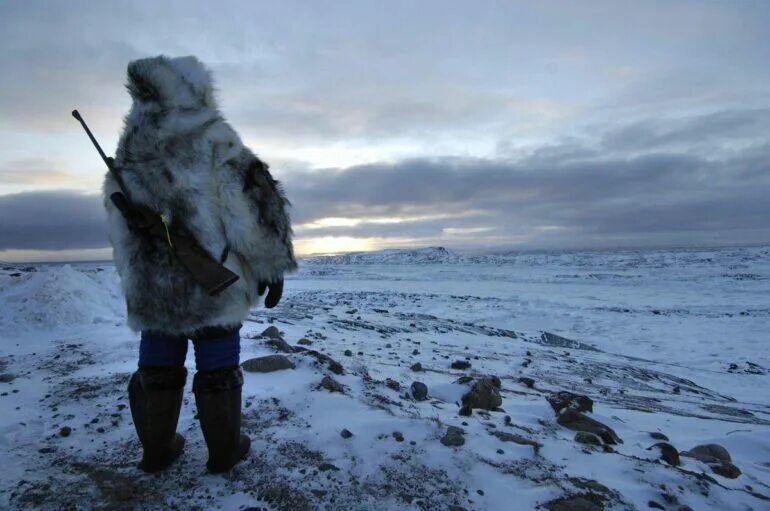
(77, 116)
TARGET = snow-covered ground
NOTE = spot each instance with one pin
(671, 342)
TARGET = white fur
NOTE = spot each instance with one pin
(180, 158)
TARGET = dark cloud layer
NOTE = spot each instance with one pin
(52, 221)
(561, 195)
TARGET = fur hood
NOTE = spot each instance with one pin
(179, 157)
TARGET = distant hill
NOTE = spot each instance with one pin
(429, 255)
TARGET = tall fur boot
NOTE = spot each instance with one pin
(155, 396)
(218, 398)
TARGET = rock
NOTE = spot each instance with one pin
(527, 381)
(579, 502)
(346, 434)
(564, 399)
(484, 394)
(271, 332)
(517, 439)
(589, 484)
(348, 353)
(398, 436)
(658, 436)
(324, 467)
(725, 469)
(416, 367)
(65, 431)
(461, 364)
(684, 508)
(392, 384)
(267, 364)
(716, 457)
(419, 391)
(305, 342)
(708, 453)
(332, 385)
(336, 367)
(453, 437)
(7, 377)
(465, 411)
(587, 438)
(280, 345)
(576, 421)
(322, 358)
(667, 453)
(654, 505)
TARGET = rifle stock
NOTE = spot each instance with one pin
(207, 272)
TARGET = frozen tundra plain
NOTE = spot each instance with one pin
(418, 380)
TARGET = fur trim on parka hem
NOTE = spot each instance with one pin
(180, 158)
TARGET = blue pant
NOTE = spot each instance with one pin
(158, 349)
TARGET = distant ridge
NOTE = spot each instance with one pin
(428, 255)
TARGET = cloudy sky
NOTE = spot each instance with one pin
(467, 124)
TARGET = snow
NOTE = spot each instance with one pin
(672, 341)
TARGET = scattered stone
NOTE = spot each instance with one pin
(654, 505)
(462, 380)
(576, 421)
(484, 394)
(453, 437)
(7, 377)
(564, 399)
(589, 484)
(65, 431)
(271, 332)
(416, 367)
(398, 436)
(658, 436)
(667, 453)
(336, 367)
(267, 364)
(579, 502)
(708, 453)
(280, 345)
(332, 364)
(348, 353)
(419, 391)
(716, 457)
(465, 411)
(527, 381)
(46, 450)
(677, 389)
(324, 467)
(684, 508)
(461, 364)
(517, 439)
(346, 434)
(587, 438)
(725, 469)
(305, 342)
(332, 385)
(392, 384)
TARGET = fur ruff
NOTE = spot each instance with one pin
(179, 157)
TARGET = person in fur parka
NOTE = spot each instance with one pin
(178, 157)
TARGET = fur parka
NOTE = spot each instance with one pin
(179, 157)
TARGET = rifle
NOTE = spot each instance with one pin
(206, 271)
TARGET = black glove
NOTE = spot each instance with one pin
(274, 292)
